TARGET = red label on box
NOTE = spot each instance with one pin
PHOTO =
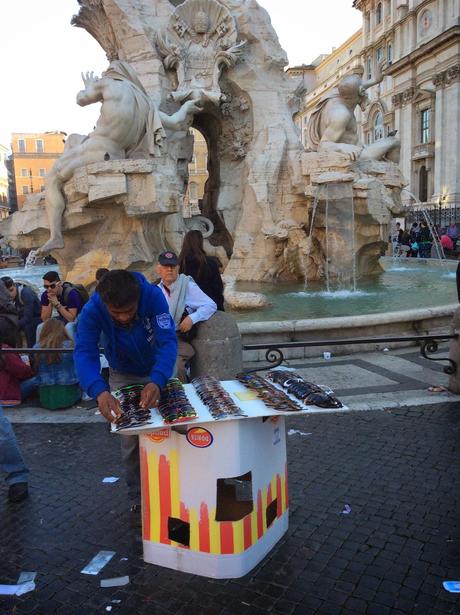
(199, 437)
(159, 436)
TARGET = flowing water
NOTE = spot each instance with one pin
(407, 284)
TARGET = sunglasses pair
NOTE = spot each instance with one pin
(52, 285)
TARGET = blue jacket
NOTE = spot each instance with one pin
(148, 347)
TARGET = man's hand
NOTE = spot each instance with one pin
(186, 325)
(109, 406)
(89, 78)
(150, 396)
(53, 300)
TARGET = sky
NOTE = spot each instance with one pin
(42, 56)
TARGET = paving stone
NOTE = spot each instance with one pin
(397, 470)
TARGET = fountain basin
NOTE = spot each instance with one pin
(425, 289)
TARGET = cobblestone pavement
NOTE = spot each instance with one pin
(398, 470)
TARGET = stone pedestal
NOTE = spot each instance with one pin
(218, 347)
(114, 217)
(454, 354)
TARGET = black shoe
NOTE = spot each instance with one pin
(18, 492)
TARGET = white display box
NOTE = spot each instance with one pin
(214, 492)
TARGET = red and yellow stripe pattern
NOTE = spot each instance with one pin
(161, 500)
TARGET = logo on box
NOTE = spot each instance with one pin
(159, 436)
(199, 437)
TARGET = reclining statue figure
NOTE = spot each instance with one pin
(333, 127)
(128, 119)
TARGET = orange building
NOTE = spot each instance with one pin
(33, 156)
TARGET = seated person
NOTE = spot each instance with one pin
(9, 331)
(14, 374)
(28, 306)
(68, 304)
(188, 305)
(447, 243)
(56, 378)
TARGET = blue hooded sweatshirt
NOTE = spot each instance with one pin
(147, 348)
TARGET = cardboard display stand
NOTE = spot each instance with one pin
(214, 492)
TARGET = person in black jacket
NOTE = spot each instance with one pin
(9, 331)
(203, 269)
(28, 306)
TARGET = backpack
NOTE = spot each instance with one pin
(21, 284)
(81, 290)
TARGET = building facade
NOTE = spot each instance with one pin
(418, 44)
(33, 155)
(420, 96)
(4, 205)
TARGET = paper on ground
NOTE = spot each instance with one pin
(294, 432)
(115, 582)
(110, 479)
(17, 590)
(98, 562)
(452, 586)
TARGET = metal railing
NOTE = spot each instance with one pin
(428, 344)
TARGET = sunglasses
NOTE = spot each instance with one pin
(52, 285)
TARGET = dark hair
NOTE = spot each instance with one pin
(119, 288)
(192, 249)
(9, 282)
(52, 276)
(100, 273)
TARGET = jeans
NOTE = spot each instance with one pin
(28, 387)
(129, 444)
(11, 460)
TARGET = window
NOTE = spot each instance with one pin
(379, 132)
(423, 185)
(42, 172)
(369, 68)
(367, 22)
(378, 13)
(379, 55)
(390, 53)
(42, 188)
(24, 173)
(39, 146)
(25, 190)
(425, 136)
(21, 145)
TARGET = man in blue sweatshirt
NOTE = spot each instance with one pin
(139, 340)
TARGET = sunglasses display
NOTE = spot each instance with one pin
(307, 392)
(133, 415)
(215, 398)
(174, 405)
(269, 394)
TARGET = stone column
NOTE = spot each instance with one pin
(451, 178)
(219, 348)
(439, 150)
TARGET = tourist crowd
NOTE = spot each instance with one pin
(145, 331)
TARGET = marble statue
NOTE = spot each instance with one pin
(118, 203)
(201, 40)
(333, 127)
(129, 120)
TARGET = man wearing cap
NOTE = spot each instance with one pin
(131, 317)
(28, 306)
(188, 305)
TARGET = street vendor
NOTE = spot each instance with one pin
(139, 340)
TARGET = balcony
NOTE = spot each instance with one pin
(424, 150)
